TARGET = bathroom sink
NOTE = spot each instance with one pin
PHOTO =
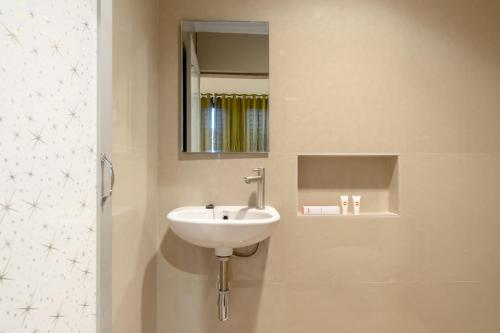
(223, 227)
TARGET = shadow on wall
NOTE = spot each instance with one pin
(148, 301)
(246, 276)
(136, 280)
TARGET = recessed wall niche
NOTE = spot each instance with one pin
(322, 179)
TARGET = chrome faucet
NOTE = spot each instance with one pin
(260, 179)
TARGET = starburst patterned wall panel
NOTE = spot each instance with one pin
(48, 73)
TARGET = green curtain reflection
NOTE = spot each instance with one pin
(234, 123)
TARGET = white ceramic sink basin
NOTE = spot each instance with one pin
(224, 227)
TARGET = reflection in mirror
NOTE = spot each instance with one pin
(225, 87)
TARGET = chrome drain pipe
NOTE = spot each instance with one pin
(223, 285)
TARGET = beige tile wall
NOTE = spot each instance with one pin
(420, 78)
(135, 157)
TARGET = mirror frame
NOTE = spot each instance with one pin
(184, 23)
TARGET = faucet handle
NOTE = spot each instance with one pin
(259, 170)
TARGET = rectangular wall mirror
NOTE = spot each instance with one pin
(224, 84)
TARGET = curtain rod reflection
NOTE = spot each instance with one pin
(233, 95)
